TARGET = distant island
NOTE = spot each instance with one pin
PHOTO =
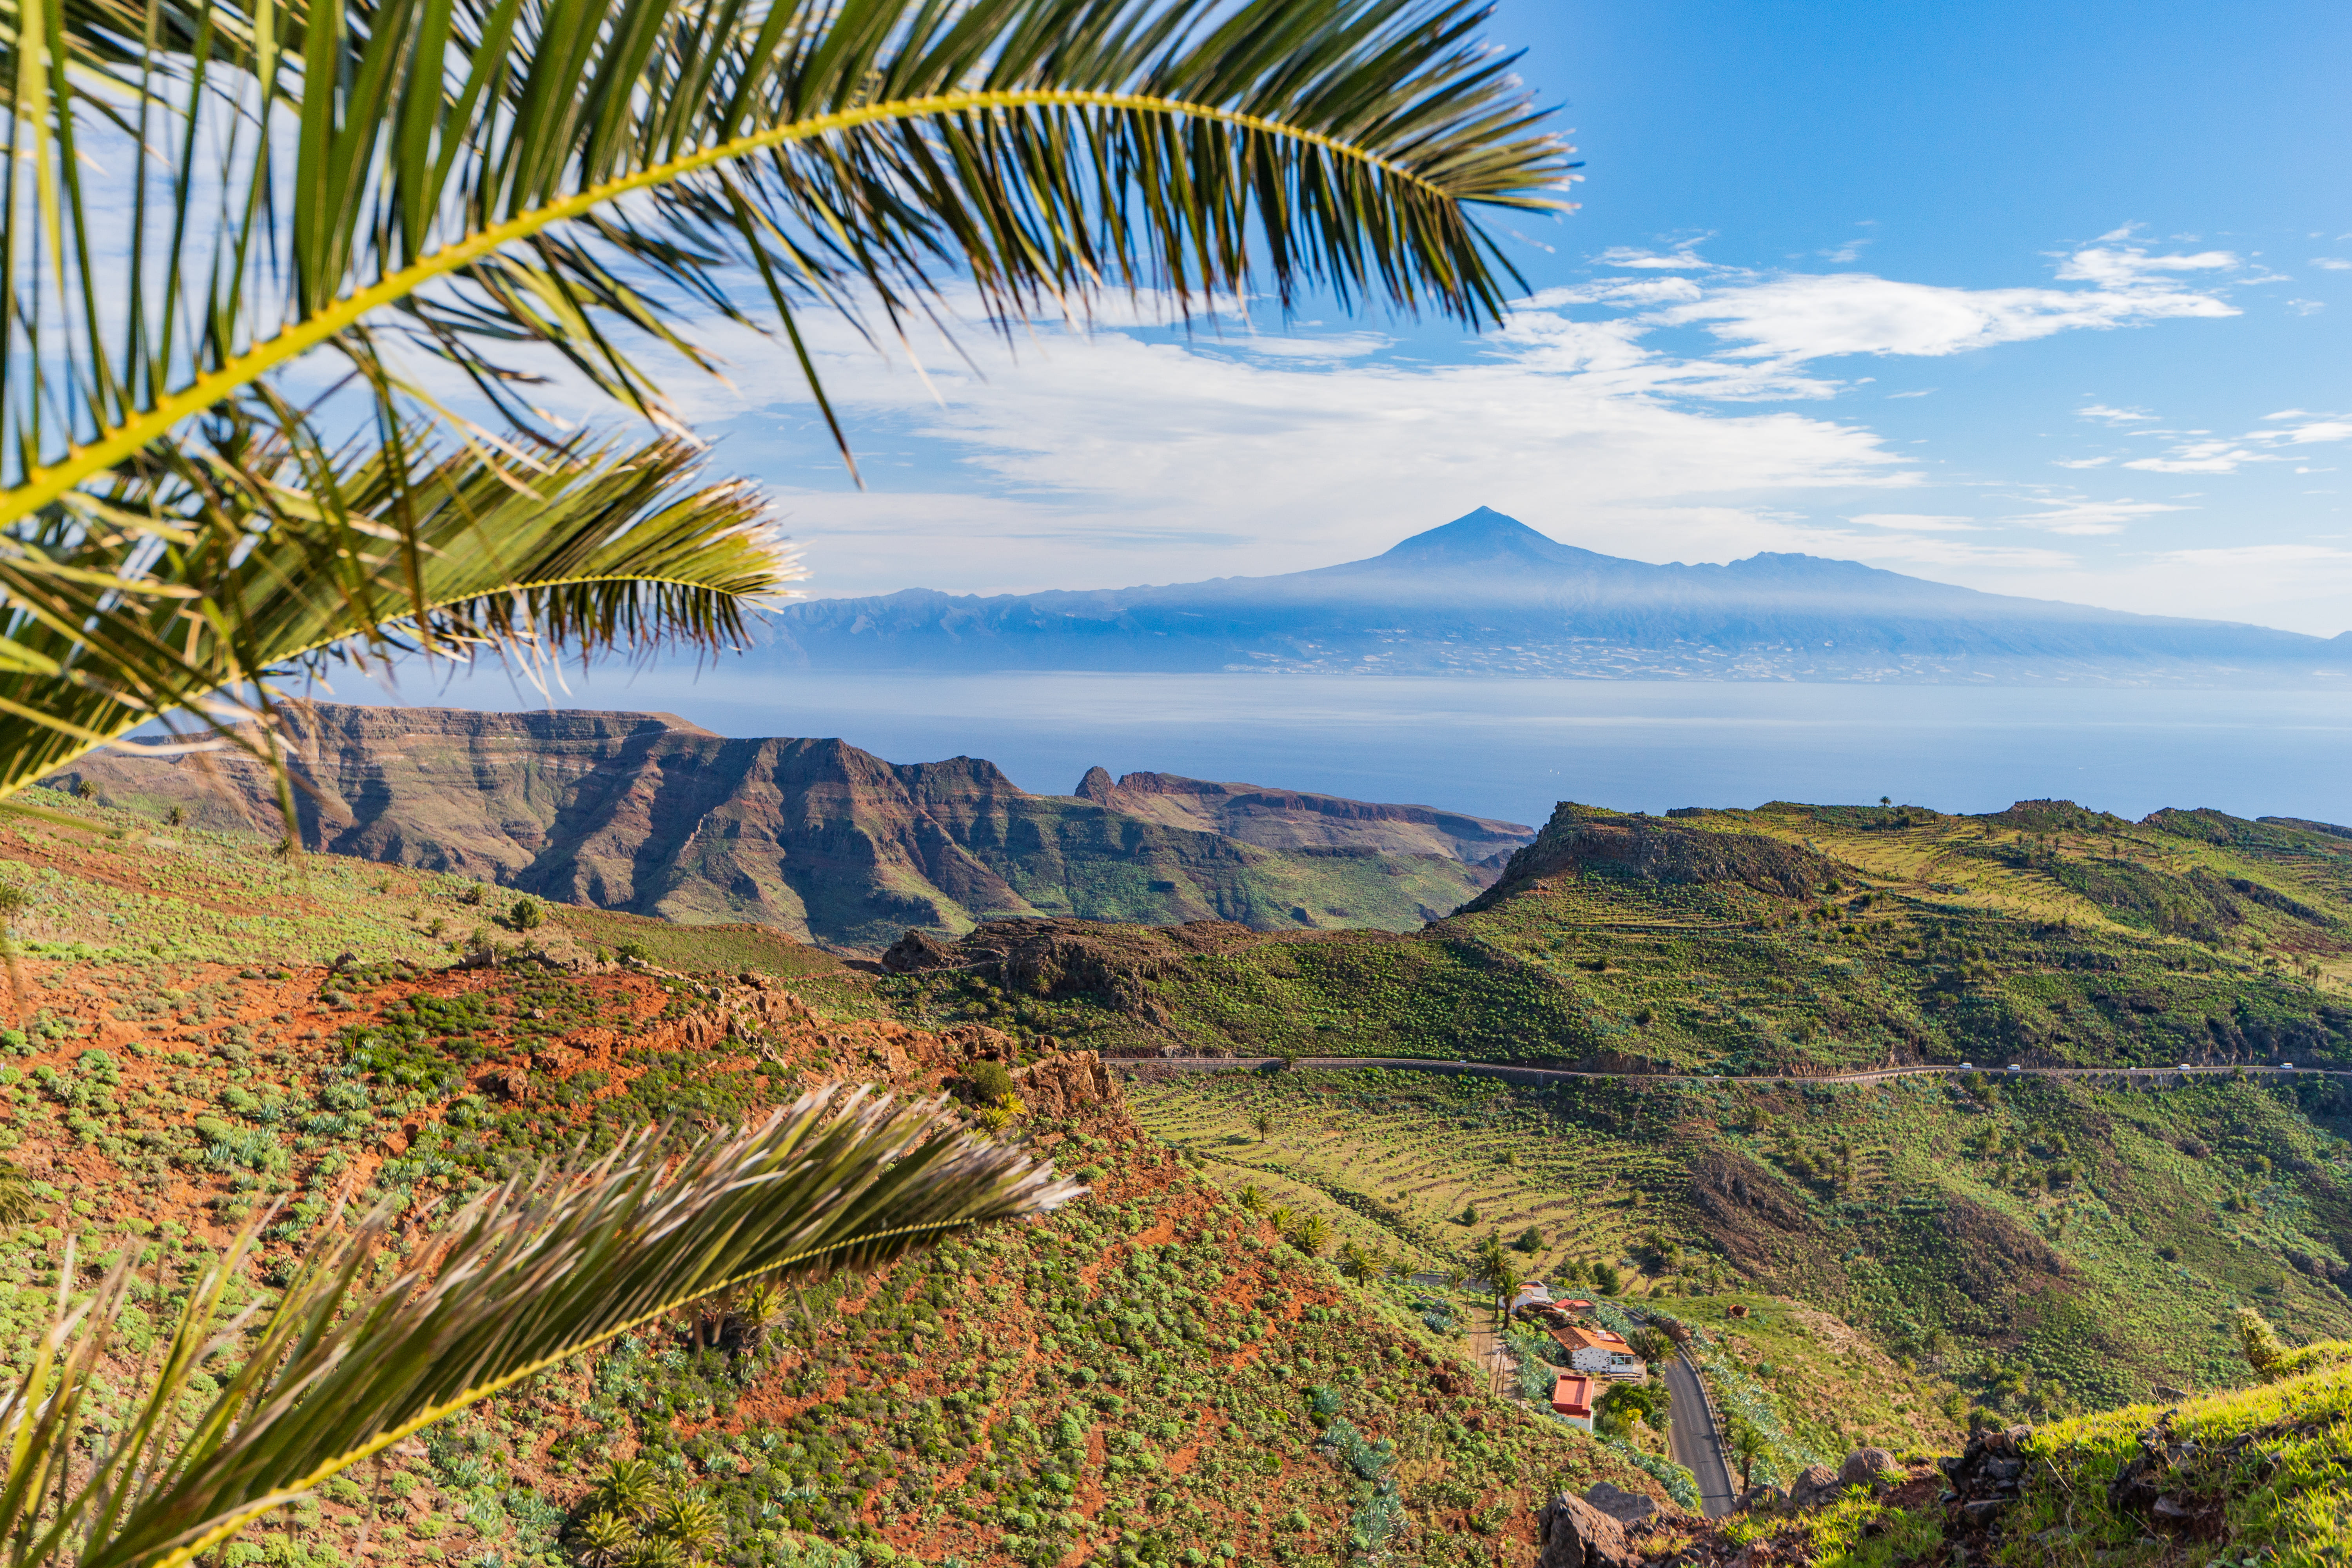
(1488, 595)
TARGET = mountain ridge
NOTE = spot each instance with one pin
(651, 815)
(1486, 594)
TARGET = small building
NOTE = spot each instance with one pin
(1578, 1305)
(1534, 1293)
(1571, 1399)
(1599, 1350)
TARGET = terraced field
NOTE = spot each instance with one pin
(2044, 1244)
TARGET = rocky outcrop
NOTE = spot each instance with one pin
(1627, 1508)
(1582, 840)
(1985, 1478)
(1578, 1535)
(1296, 819)
(646, 813)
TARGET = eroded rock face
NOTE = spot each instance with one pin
(1624, 1506)
(1578, 1535)
(1582, 840)
(647, 813)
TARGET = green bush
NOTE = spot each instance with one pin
(988, 1082)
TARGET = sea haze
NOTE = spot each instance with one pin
(1510, 749)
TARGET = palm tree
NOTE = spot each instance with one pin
(693, 1522)
(260, 255)
(531, 1273)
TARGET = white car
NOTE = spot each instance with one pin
(2185, 1068)
(2286, 1067)
(1968, 1067)
(2014, 1068)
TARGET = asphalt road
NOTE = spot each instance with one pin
(1546, 1074)
(1691, 1434)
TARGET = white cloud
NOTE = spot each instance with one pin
(1328, 345)
(2306, 306)
(1917, 521)
(2331, 264)
(2227, 455)
(2080, 462)
(2092, 517)
(2202, 457)
(2130, 268)
(1809, 316)
(1066, 460)
(1682, 259)
(2107, 416)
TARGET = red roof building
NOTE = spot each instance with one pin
(1571, 1397)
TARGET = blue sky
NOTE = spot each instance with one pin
(2050, 299)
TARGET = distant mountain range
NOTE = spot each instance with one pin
(647, 813)
(1486, 594)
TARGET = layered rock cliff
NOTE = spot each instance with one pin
(646, 813)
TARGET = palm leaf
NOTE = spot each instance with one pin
(530, 1275)
(467, 168)
(192, 582)
(489, 183)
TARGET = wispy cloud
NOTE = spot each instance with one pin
(2228, 455)
(2117, 416)
(1925, 523)
(2331, 264)
(2092, 517)
(1682, 259)
(1798, 317)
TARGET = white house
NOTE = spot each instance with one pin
(1599, 1350)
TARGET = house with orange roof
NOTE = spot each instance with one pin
(1599, 1350)
(1571, 1399)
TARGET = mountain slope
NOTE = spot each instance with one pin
(648, 814)
(1791, 938)
(1152, 1372)
(1486, 595)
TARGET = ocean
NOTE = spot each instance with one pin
(1511, 749)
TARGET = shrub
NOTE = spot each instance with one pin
(989, 1082)
(528, 915)
(1529, 1239)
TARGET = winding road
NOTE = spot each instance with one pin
(1513, 1074)
(1695, 1439)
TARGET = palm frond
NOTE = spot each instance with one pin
(475, 173)
(530, 1275)
(196, 580)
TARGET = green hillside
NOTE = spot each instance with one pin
(1789, 938)
(2033, 1246)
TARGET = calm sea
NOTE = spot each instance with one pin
(1512, 748)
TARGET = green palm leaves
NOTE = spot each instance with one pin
(451, 199)
(531, 1274)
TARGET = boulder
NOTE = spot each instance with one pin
(1862, 1467)
(915, 952)
(1767, 1496)
(1578, 1535)
(1624, 1506)
(1814, 1486)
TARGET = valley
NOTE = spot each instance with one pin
(1261, 1339)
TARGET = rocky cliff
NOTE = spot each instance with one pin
(646, 813)
(1294, 819)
